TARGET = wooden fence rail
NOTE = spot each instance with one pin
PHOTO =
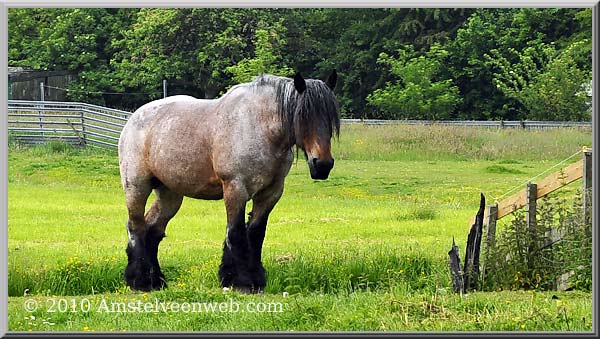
(527, 198)
(529, 195)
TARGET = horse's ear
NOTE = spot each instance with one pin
(331, 80)
(299, 83)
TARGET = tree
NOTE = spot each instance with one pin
(418, 93)
(268, 45)
(193, 48)
(351, 40)
(76, 40)
(547, 82)
(203, 51)
(25, 36)
(504, 30)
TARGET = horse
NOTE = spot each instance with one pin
(238, 147)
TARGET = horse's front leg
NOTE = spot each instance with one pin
(234, 269)
(262, 205)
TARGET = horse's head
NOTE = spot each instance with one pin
(316, 119)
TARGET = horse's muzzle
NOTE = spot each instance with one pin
(319, 169)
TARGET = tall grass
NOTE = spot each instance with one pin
(439, 142)
(429, 142)
(340, 270)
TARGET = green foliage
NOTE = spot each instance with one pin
(458, 60)
(77, 40)
(504, 34)
(190, 47)
(417, 94)
(480, 33)
(548, 83)
(535, 258)
(351, 41)
(268, 44)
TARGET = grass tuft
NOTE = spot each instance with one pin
(499, 169)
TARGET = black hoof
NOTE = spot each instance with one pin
(247, 290)
(142, 275)
(241, 280)
(142, 278)
(259, 277)
(239, 271)
(232, 277)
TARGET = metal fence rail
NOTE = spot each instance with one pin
(475, 123)
(83, 124)
(74, 122)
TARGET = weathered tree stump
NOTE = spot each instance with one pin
(467, 278)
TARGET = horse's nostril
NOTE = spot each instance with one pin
(314, 160)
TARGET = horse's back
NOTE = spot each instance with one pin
(135, 130)
(149, 110)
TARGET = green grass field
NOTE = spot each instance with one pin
(365, 250)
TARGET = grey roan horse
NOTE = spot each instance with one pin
(236, 148)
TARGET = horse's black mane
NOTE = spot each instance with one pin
(302, 113)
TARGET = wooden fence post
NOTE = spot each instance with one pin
(491, 226)
(458, 278)
(530, 220)
(587, 185)
(471, 268)
(490, 237)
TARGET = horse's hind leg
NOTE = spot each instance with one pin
(138, 266)
(164, 208)
(146, 232)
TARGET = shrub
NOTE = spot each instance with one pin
(526, 258)
(420, 92)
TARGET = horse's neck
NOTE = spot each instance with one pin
(248, 106)
(280, 131)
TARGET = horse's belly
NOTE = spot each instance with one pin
(193, 186)
(195, 181)
(214, 192)
(189, 174)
